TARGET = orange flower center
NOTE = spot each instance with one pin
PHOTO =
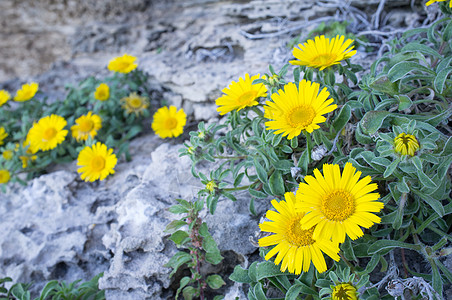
(247, 97)
(338, 205)
(170, 123)
(297, 236)
(86, 125)
(49, 134)
(301, 116)
(135, 102)
(97, 163)
(324, 59)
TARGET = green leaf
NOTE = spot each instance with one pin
(402, 186)
(283, 165)
(418, 47)
(179, 237)
(257, 194)
(174, 225)
(178, 209)
(383, 85)
(240, 275)
(189, 292)
(402, 68)
(293, 292)
(382, 245)
(252, 271)
(425, 180)
(342, 119)
(373, 120)
(215, 281)
(404, 101)
(436, 278)
(261, 173)
(214, 258)
(417, 162)
(391, 168)
(48, 289)
(267, 269)
(183, 283)
(276, 183)
(440, 79)
(259, 292)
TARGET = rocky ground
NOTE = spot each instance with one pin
(59, 227)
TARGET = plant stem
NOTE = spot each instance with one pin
(230, 157)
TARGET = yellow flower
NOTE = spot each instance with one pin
(210, 186)
(433, 1)
(96, 162)
(47, 133)
(296, 247)
(241, 94)
(322, 53)
(102, 92)
(27, 158)
(7, 154)
(405, 144)
(338, 205)
(123, 64)
(87, 126)
(169, 122)
(3, 135)
(27, 92)
(344, 291)
(295, 110)
(4, 97)
(4, 176)
(135, 103)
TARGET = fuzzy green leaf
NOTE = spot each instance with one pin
(240, 275)
(261, 173)
(342, 119)
(391, 168)
(179, 237)
(293, 292)
(440, 79)
(215, 281)
(267, 269)
(276, 183)
(373, 120)
(383, 245)
(402, 68)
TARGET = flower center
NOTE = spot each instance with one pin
(97, 163)
(49, 133)
(247, 98)
(170, 123)
(86, 125)
(135, 102)
(301, 116)
(344, 292)
(324, 59)
(297, 236)
(338, 205)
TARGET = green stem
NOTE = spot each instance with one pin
(352, 267)
(308, 145)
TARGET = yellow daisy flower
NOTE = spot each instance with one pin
(433, 1)
(321, 53)
(344, 291)
(169, 122)
(3, 135)
(405, 144)
(123, 64)
(96, 162)
(338, 205)
(26, 159)
(294, 110)
(7, 154)
(241, 94)
(135, 103)
(27, 92)
(47, 133)
(4, 97)
(296, 247)
(86, 126)
(102, 92)
(4, 176)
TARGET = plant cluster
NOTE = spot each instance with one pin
(54, 290)
(97, 116)
(358, 169)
